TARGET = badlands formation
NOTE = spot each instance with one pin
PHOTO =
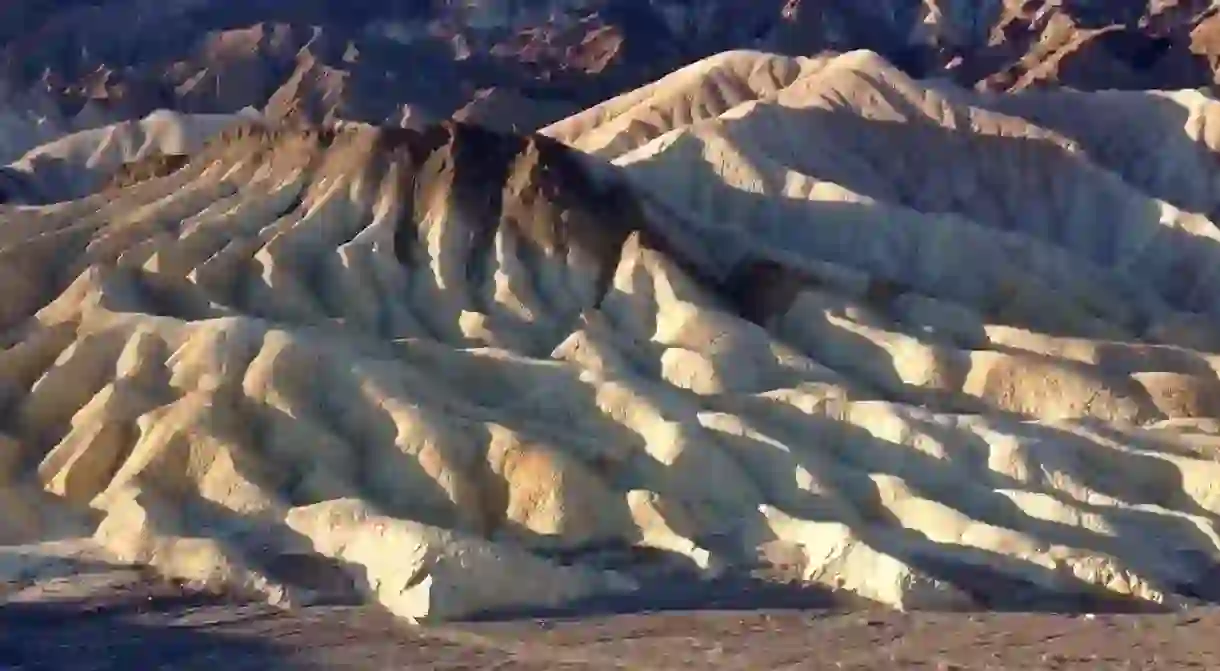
(68, 65)
(930, 347)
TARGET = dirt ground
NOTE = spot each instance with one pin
(133, 623)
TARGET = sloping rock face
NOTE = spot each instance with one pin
(928, 347)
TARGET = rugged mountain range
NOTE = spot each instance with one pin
(930, 323)
(70, 64)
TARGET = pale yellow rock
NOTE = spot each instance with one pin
(549, 497)
(424, 573)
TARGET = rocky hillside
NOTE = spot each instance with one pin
(805, 318)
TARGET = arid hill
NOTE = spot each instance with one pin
(813, 318)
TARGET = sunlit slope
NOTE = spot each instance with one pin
(916, 346)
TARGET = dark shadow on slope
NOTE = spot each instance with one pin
(1137, 49)
(1130, 58)
(18, 188)
(677, 593)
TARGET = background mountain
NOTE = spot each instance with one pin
(70, 64)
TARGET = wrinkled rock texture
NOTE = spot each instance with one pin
(803, 319)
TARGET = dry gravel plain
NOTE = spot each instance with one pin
(123, 620)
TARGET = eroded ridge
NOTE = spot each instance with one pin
(440, 359)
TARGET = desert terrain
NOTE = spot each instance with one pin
(771, 361)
